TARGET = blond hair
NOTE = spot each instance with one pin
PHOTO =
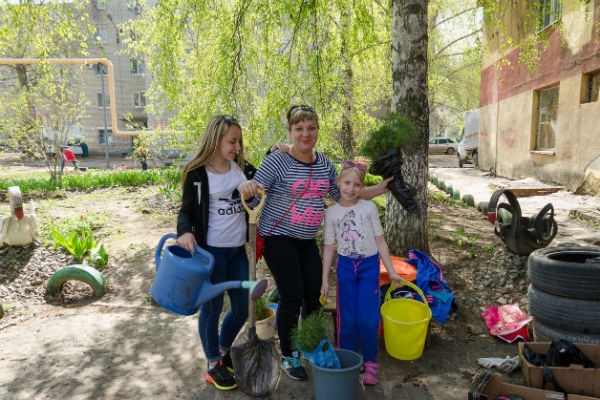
(359, 173)
(209, 143)
(299, 113)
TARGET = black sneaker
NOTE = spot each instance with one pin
(293, 367)
(227, 362)
(221, 378)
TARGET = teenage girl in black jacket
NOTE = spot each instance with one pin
(213, 217)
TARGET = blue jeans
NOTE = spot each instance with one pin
(231, 264)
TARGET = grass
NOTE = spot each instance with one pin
(41, 183)
(582, 218)
(24, 176)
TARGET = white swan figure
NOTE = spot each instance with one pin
(19, 228)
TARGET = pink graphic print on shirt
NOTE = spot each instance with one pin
(305, 189)
(347, 225)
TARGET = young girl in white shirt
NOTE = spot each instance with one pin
(354, 225)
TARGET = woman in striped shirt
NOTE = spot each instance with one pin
(296, 182)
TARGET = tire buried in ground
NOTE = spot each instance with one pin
(566, 271)
(545, 333)
(78, 272)
(574, 315)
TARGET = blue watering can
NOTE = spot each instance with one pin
(182, 281)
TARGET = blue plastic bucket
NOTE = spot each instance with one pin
(341, 383)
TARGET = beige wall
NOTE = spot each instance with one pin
(577, 28)
(511, 131)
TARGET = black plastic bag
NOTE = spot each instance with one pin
(389, 165)
(563, 353)
(256, 363)
(534, 358)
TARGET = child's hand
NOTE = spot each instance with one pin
(324, 288)
(397, 279)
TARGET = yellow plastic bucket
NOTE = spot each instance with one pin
(405, 324)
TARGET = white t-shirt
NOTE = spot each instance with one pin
(353, 228)
(226, 217)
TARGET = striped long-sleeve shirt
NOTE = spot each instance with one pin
(286, 179)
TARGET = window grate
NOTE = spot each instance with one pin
(547, 114)
(593, 87)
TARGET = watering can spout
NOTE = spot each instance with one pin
(210, 291)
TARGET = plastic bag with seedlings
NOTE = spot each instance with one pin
(323, 356)
(256, 363)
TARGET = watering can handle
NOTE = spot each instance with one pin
(406, 283)
(160, 247)
(253, 213)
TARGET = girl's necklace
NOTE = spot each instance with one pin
(215, 169)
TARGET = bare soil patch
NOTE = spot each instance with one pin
(479, 271)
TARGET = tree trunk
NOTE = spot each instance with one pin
(406, 231)
(346, 134)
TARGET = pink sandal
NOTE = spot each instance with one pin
(370, 377)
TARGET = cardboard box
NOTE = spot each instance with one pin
(495, 387)
(574, 379)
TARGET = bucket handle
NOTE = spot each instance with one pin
(159, 249)
(388, 295)
(253, 212)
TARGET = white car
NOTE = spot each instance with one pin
(442, 146)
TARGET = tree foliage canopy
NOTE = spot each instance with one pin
(40, 103)
(255, 60)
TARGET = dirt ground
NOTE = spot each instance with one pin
(122, 346)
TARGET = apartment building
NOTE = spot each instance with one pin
(129, 78)
(546, 123)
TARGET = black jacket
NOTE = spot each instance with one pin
(193, 215)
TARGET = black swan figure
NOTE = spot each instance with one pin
(522, 235)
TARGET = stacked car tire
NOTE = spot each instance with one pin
(564, 294)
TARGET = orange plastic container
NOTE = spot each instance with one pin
(402, 268)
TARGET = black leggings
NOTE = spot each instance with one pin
(297, 268)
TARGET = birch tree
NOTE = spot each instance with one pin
(406, 231)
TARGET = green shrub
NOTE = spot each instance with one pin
(311, 332)
(371, 180)
(398, 131)
(262, 311)
(77, 240)
(98, 257)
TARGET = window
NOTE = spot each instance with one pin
(433, 141)
(139, 99)
(547, 123)
(98, 68)
(548, 12)
(101, 34)
(590, 85)
(100, 99)
(137, 67)
(102, 136)
(101, 4)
